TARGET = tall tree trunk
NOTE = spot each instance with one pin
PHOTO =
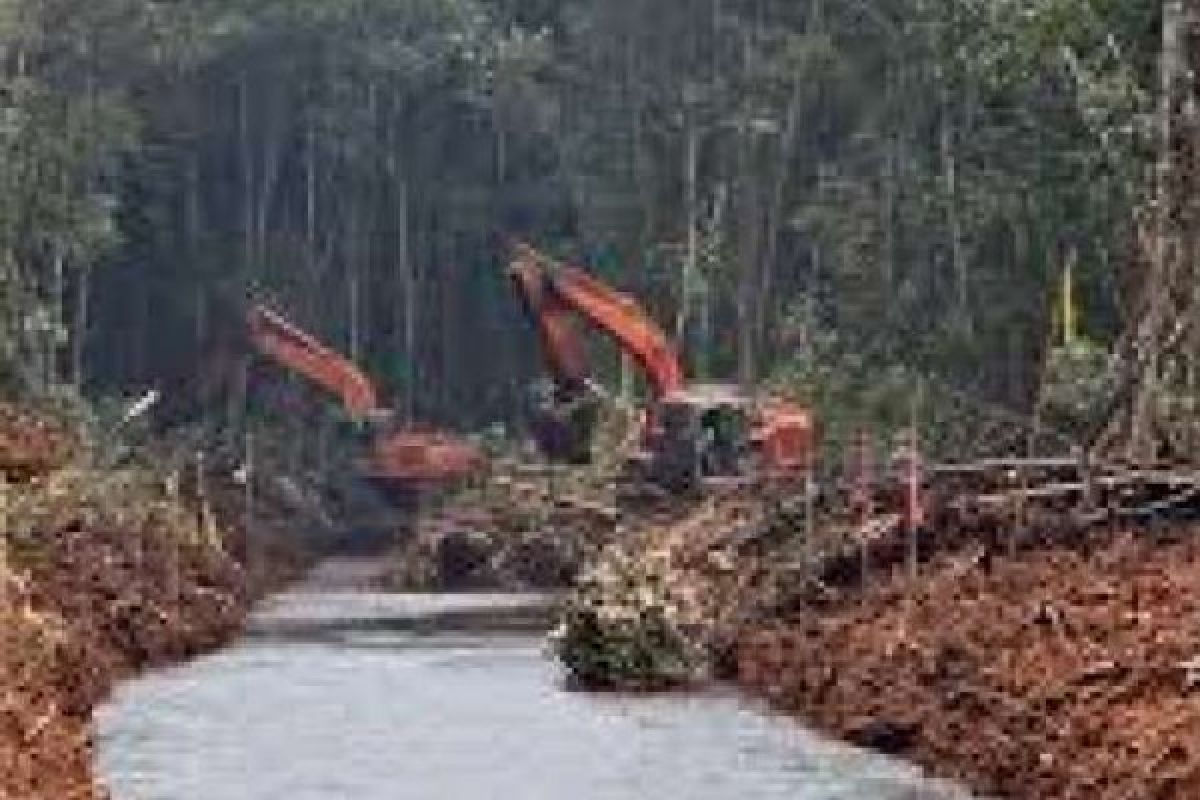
(950, 183)
(354, 286)
(408, 278)
(780, 173)
(691, 213)
(191, 232)
(888, 206)
(1157, 283)
(1191, 217)
(749, 250)
(247, 169)
(643, 180)
(58, 318)
(82, 323)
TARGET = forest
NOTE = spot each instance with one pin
(846, 197)
(906, 377)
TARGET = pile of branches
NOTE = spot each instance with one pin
(625, 627)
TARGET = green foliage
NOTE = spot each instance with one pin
(916, 172)
(623, 629)
(1077, 378)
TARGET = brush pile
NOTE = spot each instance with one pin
(531, 527)
(626, 627)
(660, 608)
(32, 445)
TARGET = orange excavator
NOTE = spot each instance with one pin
(402, 463)
(691, 432)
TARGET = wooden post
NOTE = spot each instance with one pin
(863, 500)
(174, 546)
(1018, 520)
(1089, 488)
(810, 522)
(913, 512)
(3, 542)
(201, 499)
(248, 521)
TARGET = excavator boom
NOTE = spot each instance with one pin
(296, 350)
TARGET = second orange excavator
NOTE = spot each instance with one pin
(402, 463)
(692, 432)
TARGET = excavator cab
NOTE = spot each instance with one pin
(703, 432)
(715, 433)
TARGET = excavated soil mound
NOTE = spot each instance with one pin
(96, 582)
(95, 607)
(1072, 672)
(31, 445)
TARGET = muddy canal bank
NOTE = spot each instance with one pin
(1067, 672)
(84, 606)
(1066, 668)
(107, 570)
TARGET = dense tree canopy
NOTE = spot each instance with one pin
(789, 185)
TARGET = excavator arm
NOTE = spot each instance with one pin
(276, 338)
(561, 346)
(552, 293)
(400, 463)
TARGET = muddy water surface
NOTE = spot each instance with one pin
(341, 694)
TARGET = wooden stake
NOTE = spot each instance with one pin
(912, 511)
(1089, 487)
(913, 485)
(3, 541)
(864, 502)
(249, 510)
(810, 523)
(1018, 513)
(201, 499)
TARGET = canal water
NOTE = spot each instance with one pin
(351, 695)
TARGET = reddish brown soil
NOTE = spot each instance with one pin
(1062, 673)
(96, 607)
(84, 603)
(31, 444)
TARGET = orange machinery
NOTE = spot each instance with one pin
(691, 431)
(400, 462)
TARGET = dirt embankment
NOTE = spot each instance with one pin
(1067, 669)
(88, 608)
(1066, 672)
(103, 573)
